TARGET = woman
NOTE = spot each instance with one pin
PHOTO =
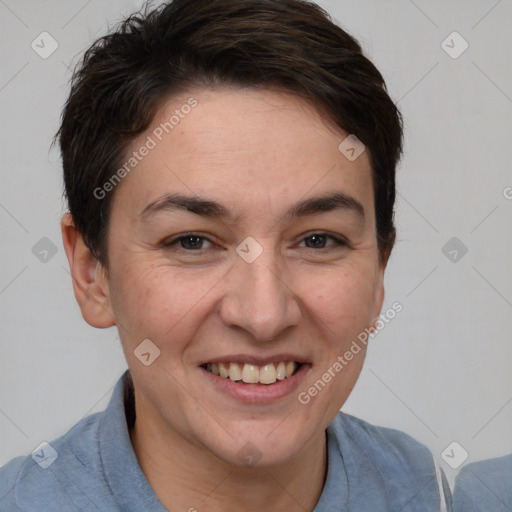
(230, 174)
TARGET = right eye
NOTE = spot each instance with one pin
(188, 242)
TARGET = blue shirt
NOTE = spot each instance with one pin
(370, 469)
(484, 486)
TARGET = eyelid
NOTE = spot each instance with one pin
(337, 239)
(168, 243)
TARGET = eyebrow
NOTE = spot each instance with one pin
(212, 209)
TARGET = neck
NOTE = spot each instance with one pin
(185, 476)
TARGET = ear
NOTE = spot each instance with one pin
(90, 283)
(379, 287)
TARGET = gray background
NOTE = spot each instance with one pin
(439, 371)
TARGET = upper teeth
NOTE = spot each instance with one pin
(253, 374)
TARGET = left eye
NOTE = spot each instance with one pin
(318, 241)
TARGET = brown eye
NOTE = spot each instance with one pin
(191, 242)
(188, 242)
(319, 240)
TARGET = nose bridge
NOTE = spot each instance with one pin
(258, 299)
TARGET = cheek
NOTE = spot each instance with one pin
(342, 300)
(161, 304)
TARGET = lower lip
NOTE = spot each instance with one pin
(258, 393)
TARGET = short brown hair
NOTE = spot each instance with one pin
(283, 44)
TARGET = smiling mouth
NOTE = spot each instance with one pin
(253, 374)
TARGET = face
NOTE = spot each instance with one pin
(255, 269)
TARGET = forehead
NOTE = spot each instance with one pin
(248, 148)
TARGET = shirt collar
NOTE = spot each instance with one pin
(121, 468)
(128, 483)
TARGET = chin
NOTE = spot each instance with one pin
(263, 448)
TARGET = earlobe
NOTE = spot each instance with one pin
(90, 283)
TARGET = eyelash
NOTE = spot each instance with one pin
(338, 241)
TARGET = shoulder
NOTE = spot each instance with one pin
(384, 445)
(42, 480)
(484, 485)
(391, 462)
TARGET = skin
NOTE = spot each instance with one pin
(256, 152)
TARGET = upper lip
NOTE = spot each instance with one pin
(255, 360)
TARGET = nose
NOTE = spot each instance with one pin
(259, 299)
